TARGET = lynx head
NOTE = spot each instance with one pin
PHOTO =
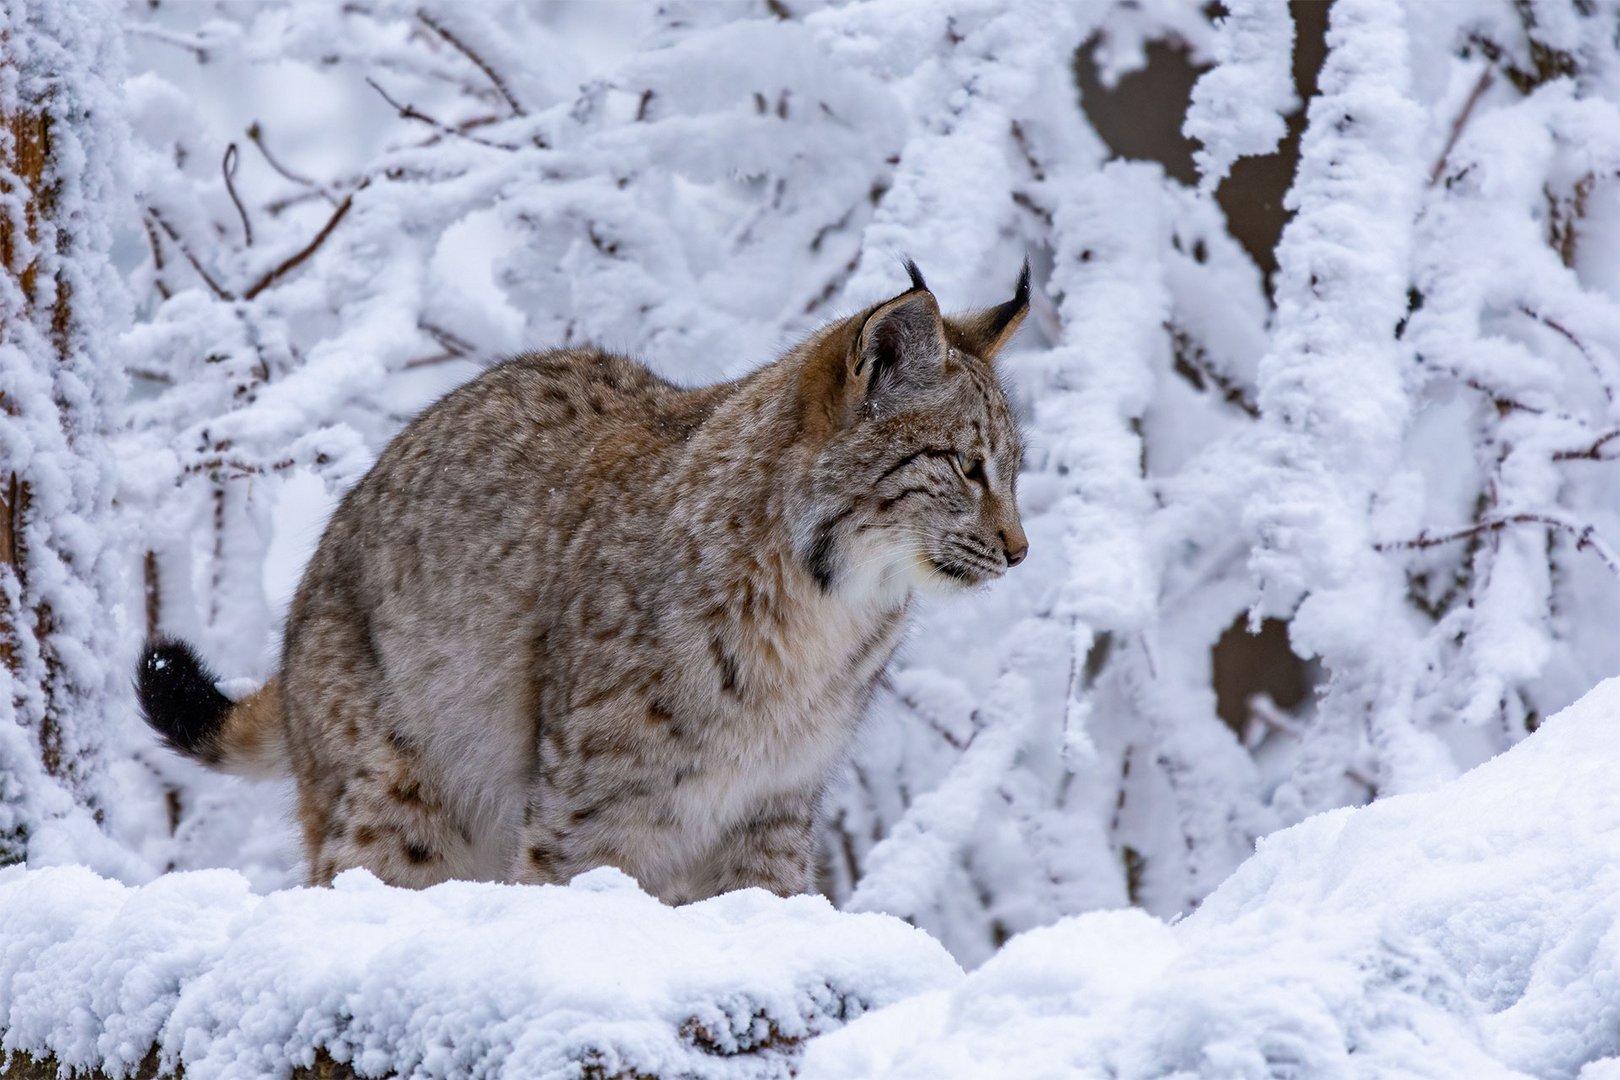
(914, 481)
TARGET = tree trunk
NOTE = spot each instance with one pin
(59, 144)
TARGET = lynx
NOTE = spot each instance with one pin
(577, 616)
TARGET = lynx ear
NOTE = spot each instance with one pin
(985, 333)
(901, 341)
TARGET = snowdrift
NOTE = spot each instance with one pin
(595, 980)
(1472, 931)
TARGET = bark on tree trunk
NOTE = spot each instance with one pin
(25, 1066)
(28, 165)
(29, 154)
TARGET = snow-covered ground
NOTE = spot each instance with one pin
(1473, 931)
(459, 980)
(1469, 931)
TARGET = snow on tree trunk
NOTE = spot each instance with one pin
(62, 649)
(195, 975)
(1333, 394)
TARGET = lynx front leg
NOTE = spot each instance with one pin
(774, 849)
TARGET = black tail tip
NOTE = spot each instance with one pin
(180, 700)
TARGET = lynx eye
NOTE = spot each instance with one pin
(972, 467)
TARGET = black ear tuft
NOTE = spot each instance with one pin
(986, 332)
(180, 701)
(1002, 316)
(917, 281)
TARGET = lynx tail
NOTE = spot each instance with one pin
(182, 704)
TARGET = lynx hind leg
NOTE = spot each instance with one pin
(550, 848)
(366, 795)
(772, 849)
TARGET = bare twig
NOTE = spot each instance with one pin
(162, 223)
(833, 285)
(168, 37)
(1585, 535)
(1562, 331)
(149, 375)
(478, 61)
(452, 342)
(1192, 357)
(1076, 668)
(1591, 453)
(434, 360)
(1027, 202)
(454, 347)
(1504, 404)
(1266, 713)
(1459, 124)
(277, 207)
(293, 261)
(411, 112)
(255, 134)
(228, 168)
(240, 467)
(158, 264)
(956, 741)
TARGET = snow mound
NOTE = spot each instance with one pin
(594, 979)
(1469, 931)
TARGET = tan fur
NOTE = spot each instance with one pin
(253, 738)
(576, 615)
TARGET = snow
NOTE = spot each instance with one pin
(461, 979)
(701, 184)
(1469, 931)
(1238, 106)
(1472, 930)
(1335, 408)
(1400, 448)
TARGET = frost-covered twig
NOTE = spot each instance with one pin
(227, 168)
(903, 871)
(1482, 84)
(1585, 535)
(1265, 712)
(293, 261)
(153, 215)
(452, 346)
(1504, 402)
(1593, 452)
(953, 740)
(213, 465)
(189, 42)
(1192, 355)
(478, 61)
(1599, 370)
(411, 112)
(159, 280)
(255, 134)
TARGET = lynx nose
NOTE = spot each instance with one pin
(1014, 544)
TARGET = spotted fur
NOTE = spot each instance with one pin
(576, 615)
